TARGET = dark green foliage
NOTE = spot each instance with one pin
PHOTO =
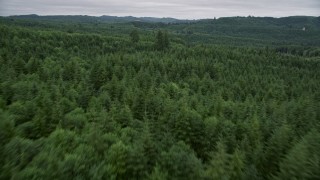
(134, 35)
(162, 41)
(180, 163)
(89, 100)
(225, 166)
(302, 161)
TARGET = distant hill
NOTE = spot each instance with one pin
(292, 21)
(104, 18)
(255, 31)
(287, 30)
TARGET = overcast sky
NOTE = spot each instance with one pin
(183, 9)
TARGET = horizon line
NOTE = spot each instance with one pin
(158, 17)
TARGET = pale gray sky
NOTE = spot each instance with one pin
(184, 9)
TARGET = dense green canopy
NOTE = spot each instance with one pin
(91, 100)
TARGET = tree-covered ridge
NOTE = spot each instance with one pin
(84, 105)
(104, 18)
(302, 31)
(257, 30)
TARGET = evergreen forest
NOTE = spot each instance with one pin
(86, 97)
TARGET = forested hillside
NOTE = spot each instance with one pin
(294, 32)
(136, 100)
